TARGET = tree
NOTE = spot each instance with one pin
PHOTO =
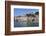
(28, 15)
(37, 13)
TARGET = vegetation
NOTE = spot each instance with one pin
(37, 13)
(28, 15)
(29, 23)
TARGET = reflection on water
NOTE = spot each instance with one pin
(25, 24)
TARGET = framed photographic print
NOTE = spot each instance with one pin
(24, 17)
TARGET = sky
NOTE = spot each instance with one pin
(24, 11)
